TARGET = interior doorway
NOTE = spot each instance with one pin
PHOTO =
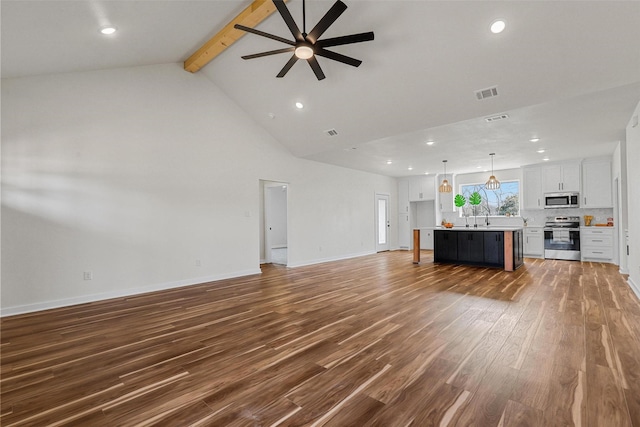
(382, 222)
(275, 223)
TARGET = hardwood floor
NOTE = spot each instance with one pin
(372, 341)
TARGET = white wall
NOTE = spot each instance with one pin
(134, 174)
(633, 199)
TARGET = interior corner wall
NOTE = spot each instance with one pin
(149, 178)
(619, 171)
(633, 201)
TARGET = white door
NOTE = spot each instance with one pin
(382, 222)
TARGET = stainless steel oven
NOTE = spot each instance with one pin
(562, 238)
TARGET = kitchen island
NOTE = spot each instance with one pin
(483, 246)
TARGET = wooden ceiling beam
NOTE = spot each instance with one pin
(255, 13)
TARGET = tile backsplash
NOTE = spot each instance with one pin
(538, 217)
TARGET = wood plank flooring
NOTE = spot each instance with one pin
(371, 341)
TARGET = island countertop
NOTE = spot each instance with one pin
(481, 228)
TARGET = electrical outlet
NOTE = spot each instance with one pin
(198, 263)
(88, 275)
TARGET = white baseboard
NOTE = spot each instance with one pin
(623, 271)
(329, 259)
(47, 305)
(634, 287)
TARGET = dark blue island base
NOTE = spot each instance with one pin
(486, 247)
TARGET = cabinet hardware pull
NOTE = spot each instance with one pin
(597, 240)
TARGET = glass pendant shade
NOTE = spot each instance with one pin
(492, 183)
(445, 187)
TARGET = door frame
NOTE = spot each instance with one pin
(387, 246)
(266, 201)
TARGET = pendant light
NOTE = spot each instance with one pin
(445, 187)
(492, 183)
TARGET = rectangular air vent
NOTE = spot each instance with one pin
(486, 93)
(494, 118)
(331, 132)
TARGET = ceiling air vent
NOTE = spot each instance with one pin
(331, 132)
(486, 93)
(495, 118)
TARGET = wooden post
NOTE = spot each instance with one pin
(508, 251)
(416, 246)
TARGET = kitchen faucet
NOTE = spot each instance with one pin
(486, 220)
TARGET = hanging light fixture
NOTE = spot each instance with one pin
(445, 187)
(492, 183)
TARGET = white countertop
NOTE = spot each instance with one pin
(479, 228)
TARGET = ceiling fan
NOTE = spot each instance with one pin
(307, 46)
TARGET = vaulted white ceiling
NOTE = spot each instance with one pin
(567, 72)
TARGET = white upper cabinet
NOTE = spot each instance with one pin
(596, 184)
(561, 177)
(531, 190)
(421, 188)
(403, 195)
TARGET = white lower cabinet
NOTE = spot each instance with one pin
(426, 239)
(533, 242)
(597, 244)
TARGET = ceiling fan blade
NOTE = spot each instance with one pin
(326, 21)
(287, 66)
(271, 52)
(263, 34)
(338, 57)
(338, 41)
(288, 19)
(316, 67)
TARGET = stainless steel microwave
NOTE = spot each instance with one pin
(561, 200)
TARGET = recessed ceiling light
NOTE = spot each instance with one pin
(478, 167)
(546, 159)
(389, 162)
(430, 142)
(299, 105)
(534, 140)
(498, 26)
(426, 173)
(541, 150)
(410, 168)
(108, 30)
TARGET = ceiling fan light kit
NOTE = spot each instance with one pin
(308, 46)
